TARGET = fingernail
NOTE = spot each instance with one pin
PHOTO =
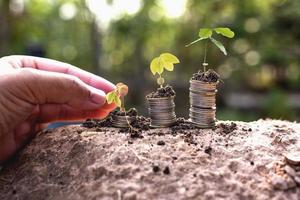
(97, 97)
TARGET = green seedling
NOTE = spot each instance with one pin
(117, 96)
(165, 61)
(206, 34)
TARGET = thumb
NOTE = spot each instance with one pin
(41, 87)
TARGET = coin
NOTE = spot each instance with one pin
(203, 103)
(203, 99)
(120, 121)
(161, 111)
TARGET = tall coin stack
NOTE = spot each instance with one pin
(203, 103)
(162, 111)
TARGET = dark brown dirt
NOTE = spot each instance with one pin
(166, 91)
(227, 128)
(79, 163)
(161, 142)
(141, 123)
(182, 125)
(138, 123)
(131, 112)
(210, 76)
(96, 123)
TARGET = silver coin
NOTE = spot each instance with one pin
(170, 118)
(204, 86)
(161, 111)
(120, 121)
(203, 103)
(162, 123)
(203, 99)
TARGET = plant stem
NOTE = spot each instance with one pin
(161, 85)
(204, 60)
(123, 104)
(124, 110)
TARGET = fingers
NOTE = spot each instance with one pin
(54, 112)
(60, 67)
(40, 87)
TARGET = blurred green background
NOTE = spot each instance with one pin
(117, 39)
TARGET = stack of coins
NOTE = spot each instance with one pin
(120, 121)
(203, 103)
(162, 111)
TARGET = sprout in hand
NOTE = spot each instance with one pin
(117, 96)
(164, 61)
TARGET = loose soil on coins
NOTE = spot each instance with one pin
(210, 76)
(166, 91)
(236, 160)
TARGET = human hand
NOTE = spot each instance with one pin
(35, 91)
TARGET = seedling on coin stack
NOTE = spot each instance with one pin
(120, 118)
(203, 84)
(161, 102)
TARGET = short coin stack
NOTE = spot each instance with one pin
(203, 103)
(162, 111)
(120, 121)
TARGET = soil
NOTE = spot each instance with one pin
(237, 160)
(228, 128)
(166, 91)
(131, 112)
(95, 123)
(138, 123)
(210, 76)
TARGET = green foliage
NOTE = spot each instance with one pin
(207, 33)
(225, 32)
(219, 45)
(164, 61)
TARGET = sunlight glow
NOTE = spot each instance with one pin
(17, 6)
(67, 11)
(107, 12)
(173, 8)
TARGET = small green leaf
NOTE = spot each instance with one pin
(205, 33)
(156, 66)
(169, 58)
(219, 45)
(110, 97)
(198, 40)
(225, 32)
(117, 101)
(169, 66)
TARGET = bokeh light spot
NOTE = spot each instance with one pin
(241, 46)
(252, 58)
(252, 25)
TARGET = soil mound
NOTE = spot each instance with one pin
(210, 76)
(237, 160)
(166, 91)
